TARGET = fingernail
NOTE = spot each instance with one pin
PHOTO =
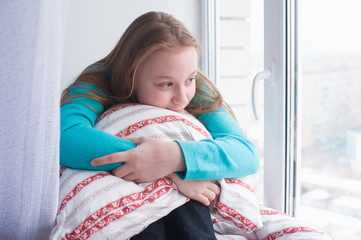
(93, 163)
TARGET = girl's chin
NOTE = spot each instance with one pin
(178, 111)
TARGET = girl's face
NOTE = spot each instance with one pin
(166, 78)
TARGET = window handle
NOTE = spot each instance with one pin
(266, 74)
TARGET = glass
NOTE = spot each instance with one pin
(330, 173)
(241, 58)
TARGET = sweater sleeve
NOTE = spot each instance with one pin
(80, 142)
(230, 154)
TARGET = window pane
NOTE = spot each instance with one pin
(331, 116)
(241, 57)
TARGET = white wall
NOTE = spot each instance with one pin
(95, 26)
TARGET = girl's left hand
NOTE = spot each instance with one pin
(150, 160)
(203, 191)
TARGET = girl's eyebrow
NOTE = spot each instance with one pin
(163, 77)
(170, 77)
(194, 72)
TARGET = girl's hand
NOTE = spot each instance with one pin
(203, 191)
(150, 160)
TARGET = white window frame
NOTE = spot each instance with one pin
(281, 96)
(281, 106)
(210, 39)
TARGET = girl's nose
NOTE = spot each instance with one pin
(180, 97)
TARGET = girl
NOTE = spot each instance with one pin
(117, 79)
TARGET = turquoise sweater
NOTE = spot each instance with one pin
(229, 155)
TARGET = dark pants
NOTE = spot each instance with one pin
(189, 221)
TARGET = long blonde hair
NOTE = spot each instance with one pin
(115, 74)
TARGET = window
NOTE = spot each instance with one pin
(331, 116)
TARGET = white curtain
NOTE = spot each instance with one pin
(31, 48)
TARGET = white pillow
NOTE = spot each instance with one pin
(136, 120)
(98, 205)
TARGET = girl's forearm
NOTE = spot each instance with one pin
(80, 144)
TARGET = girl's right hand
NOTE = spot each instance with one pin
(150, 160)
(203, 191)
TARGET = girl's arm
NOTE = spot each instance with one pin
(230, 154)
(80, 142)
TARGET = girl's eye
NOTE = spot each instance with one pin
(166, 84)
(191, 80)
